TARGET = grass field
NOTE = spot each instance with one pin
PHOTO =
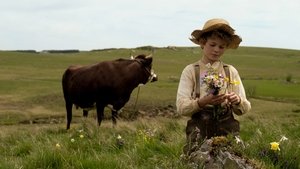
(30, 89)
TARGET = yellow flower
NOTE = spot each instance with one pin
(81, 136)
(119, 137)
(57, 145)
(275, 146)
(72, 140)
(235, 82)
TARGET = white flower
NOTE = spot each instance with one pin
(238, 140)
(283, 138)
(119, 137)
(258, 132)
(218, 83)
(57, 145)
(72, 140)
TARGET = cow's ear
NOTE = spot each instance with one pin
(149, 59)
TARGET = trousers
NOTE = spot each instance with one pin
(204, 125)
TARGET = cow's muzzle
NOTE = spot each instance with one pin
(153, 77)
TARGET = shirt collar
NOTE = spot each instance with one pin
(215, 65)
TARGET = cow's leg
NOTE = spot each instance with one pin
(69, 114)
(100, 113)
(85, 113)
(114, 117)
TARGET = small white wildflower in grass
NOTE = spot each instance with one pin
(120, 141)
(57, 145)
(275, 146)
(81, 136)
(258, 132)
(238, 140)
(283, 138)
(72, 140)
(80, 131)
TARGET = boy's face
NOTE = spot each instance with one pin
(213, 49)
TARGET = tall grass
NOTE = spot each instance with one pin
(145, 144)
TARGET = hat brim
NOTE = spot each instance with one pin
(235, 42)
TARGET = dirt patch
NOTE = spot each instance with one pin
(44, 120)
(126, 114)
(167, 111)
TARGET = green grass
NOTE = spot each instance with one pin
(30, 89)
(275, 89)
(93, 147)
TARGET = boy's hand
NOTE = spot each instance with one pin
(233, 98)
(212, 100)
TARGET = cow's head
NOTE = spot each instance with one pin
(146, 62)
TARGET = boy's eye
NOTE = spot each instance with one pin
(221, 47)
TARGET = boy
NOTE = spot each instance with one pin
(210, 91)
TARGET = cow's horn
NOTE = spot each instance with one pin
(131, 57)
(149, 56)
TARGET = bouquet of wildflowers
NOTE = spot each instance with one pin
(214, 81)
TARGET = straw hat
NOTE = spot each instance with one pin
(213, 24)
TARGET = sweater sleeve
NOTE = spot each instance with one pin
(238, 88)
(185, 102)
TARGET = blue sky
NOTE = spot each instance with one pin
(98, 24)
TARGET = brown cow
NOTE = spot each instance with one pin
(105, 83)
